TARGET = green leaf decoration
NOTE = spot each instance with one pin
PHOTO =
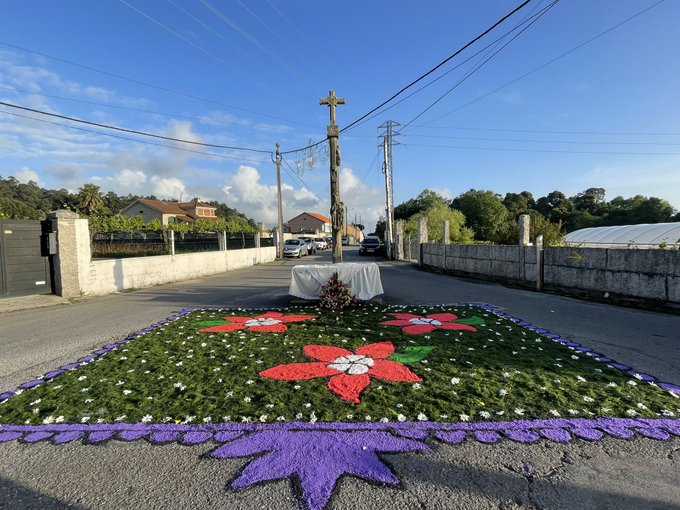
(207, 324)
(471, 321)
(412, 354)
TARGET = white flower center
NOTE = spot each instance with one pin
(423, 320)
(261, 322)
(352, 364)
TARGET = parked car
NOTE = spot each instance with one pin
(295, 248)
(320, 243)
(311, 247)
(345, 241)
(371, 245)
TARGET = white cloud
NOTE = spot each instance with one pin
(257, 200)
(26, 174)
(365, 202)
(168, 187)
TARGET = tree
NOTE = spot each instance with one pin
(422, 202)
(553, 234)
(591, 200)
(519, 203)
(90, 199)
(380, 228)
(554, 206)
(484, 212)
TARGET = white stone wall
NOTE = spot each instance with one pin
(115, 275)
(96, 277)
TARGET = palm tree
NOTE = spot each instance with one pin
(90, 198)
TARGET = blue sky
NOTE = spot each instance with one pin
(250, 74)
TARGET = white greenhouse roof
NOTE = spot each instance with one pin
(646, 234)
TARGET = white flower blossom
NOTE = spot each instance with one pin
(555, 412)
(422, 417)
(401, 417)
(588, 399)
(485, 414)
(147, 418)
(519, 411)
(464, 417)
(455, 380)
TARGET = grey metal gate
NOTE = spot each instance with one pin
(24, 264)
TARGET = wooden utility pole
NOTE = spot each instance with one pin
(279, 227)
(337, 206)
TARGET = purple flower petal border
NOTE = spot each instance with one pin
(523, 431)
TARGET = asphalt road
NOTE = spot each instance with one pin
(612, 473)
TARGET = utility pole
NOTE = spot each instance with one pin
(388, 169)
(279, 228)
(336, 205)
(388, 201)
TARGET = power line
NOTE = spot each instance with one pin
(443, 62)
(536, 17)
(105, 105)
(133, 131)
(254, 41)
(207, 27)
(180, 36)
(622, 133)
(211, 154)
(575, 48)
(150, 85)
(420, 78)
(508, 149)
(293, 175)
(527, 19)
(571, 142)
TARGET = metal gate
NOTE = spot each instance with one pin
(24, 264)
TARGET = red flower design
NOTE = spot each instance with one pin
(270, 322)
(417, 324)
(350, 372)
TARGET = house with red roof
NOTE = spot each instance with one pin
(310, 223)
(170, 212)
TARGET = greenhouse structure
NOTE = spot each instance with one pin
(654, 235)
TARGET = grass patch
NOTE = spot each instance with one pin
(493, 370)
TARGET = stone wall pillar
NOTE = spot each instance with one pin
(422, 238)
(446, 236)
(524, 230)
(399, 240)
(72, 249)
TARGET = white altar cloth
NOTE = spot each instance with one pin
(364, 279)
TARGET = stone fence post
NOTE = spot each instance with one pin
(399, 240)
(422, 238)
(524, 230)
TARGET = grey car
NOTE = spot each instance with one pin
(295, 248)
(311, 246)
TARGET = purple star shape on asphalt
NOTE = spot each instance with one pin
(317, 458)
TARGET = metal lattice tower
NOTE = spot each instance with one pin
(388, 141)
